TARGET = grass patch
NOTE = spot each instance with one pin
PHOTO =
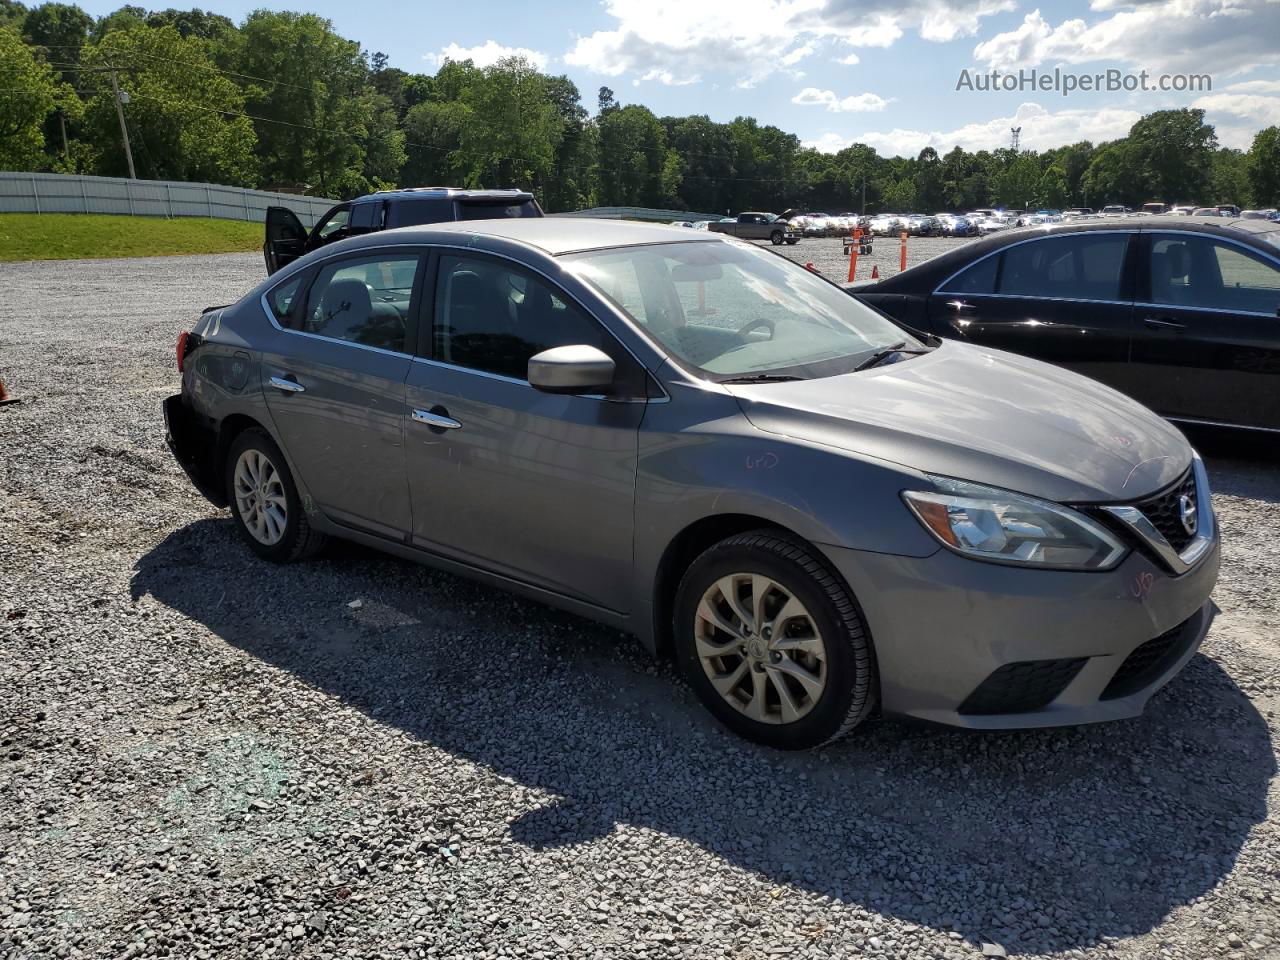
(77, 236)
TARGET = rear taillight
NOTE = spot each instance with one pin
(182, 349)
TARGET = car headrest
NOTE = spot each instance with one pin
(345, 305)
(1177, 255)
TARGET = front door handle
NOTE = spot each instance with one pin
(288, 386)
(1164, 324)
(436, 420)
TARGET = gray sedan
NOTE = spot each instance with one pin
(816, 513)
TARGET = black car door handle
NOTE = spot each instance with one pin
(1157, 323)
(959, 306)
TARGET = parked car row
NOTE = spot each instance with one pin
(814, 511)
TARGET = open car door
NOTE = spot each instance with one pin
(286, 238)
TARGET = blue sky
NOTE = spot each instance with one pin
(882, 72)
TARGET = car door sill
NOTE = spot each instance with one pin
(1218, 423)
(411, 551)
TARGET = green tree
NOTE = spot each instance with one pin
(193, 23)
(1017, 184)
(62, 30)
(1229, 178)
(1173, 150)
(34, 92)
(1262, 165)
(128, 17)
(316, 106)
(1052, 192)
(185, 118)
(899, 196)
(12, 13)
(632, 155)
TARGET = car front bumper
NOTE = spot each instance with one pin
(986, 646)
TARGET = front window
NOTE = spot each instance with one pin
(1194, 271)
(337, 221)
(730, 310)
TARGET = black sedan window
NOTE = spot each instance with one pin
(1084, 266)
(1194, 271)
(979, 278)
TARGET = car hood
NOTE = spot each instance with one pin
(986, 416)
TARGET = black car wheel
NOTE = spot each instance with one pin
(264, 500)
(773, 643)
(776, 238)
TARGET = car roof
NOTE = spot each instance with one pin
(451, 193)
(553, 235)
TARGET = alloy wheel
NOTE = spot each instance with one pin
(760, 648)
(260, 497)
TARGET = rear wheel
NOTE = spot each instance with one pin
(264, 500)
(771, 641)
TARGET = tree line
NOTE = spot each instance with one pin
(282, 101)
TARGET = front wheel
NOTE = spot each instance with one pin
(776, 238)
(792, 242)
(772, 642)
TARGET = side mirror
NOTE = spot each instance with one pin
(577, 368)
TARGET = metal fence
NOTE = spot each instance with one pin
(639, 213)
(67, 193)
(63, 193)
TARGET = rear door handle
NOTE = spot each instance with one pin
(1157, 323)
(288, 386)
(959, 305)
(437, 420)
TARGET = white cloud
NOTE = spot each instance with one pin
(1161, 36)
(860, 103)
(1041, 130)
(486, 55)
(851, 60)
(1260, 111)
(674, 41)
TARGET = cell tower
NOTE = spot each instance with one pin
(1017, 136)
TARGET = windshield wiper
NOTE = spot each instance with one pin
(882, 355)
(760, 378)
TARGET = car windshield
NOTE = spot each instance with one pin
(732, 310)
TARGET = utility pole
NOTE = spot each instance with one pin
(66, 149)
(864, 194)
(124, 131)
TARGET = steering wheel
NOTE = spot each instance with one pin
(752, 325)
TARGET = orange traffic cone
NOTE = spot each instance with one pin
(875, 272)
(809, 266)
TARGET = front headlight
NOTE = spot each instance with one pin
(1001, 526)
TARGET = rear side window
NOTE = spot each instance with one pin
(1084, 266)
(1194, 271)
(979, 278)
(475, 210)
(364, 301)
(493, 318)
(280, 298)
(415, 210)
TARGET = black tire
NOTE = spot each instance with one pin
(792, 243)
(851, 683)
(300, 539)
(776, 237)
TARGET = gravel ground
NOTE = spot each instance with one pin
(827, 254)
(203, 754)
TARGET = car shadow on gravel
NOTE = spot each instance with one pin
(1042, 841)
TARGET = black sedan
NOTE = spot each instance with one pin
(1182, 314)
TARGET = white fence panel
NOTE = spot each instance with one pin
(62, 193)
